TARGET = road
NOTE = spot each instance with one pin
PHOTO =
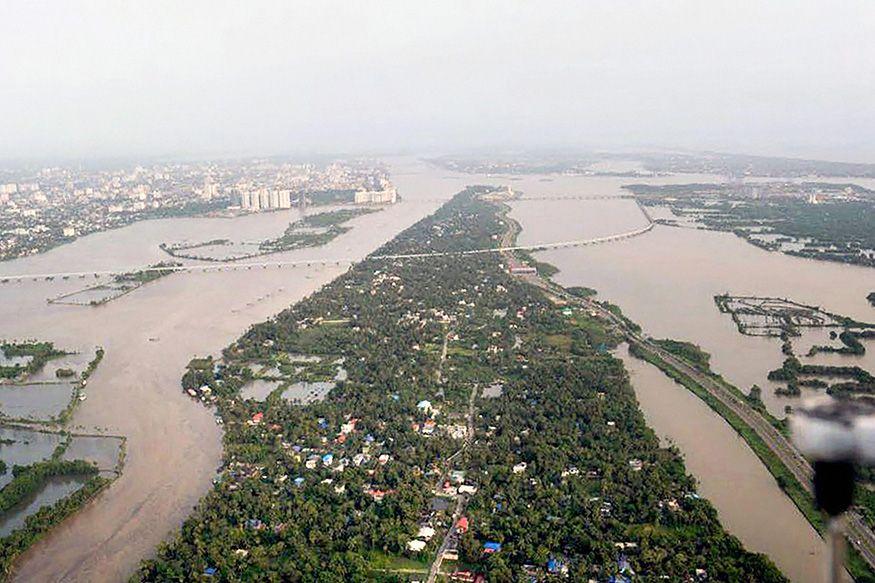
(461, 499)
(859, 534)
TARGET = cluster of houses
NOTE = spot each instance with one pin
(314, 459)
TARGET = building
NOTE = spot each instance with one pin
(386, 195)
(263, 198)
(210, 190)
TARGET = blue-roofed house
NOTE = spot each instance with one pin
(491, 547)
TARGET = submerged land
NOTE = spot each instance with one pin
(53, 472)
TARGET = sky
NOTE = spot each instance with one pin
(132, 78)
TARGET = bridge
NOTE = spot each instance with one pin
(233, 266)
(556, 198)
(228, 266)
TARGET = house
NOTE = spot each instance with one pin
(425, 533)
(490, 547)
(424, 406)
(327, 459)
(467, 489)
(457, 476)
(457, 431)
(636, 465)
(520, 468)
(256, 419)
(416, 545)
(462, 525)
(557, 567)
(451, 555)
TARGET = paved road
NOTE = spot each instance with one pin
(860, 535)
(461, 499)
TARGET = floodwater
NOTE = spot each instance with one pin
(35, 402)
(56, 487)
(666, 281)
(258, 389)
(173, 444)
(22, 446)
(98, 449)
(303, 392)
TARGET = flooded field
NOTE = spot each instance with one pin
(35, 401)
(76, 362)
(103, 451)
(22, 446)
(307, 392)
(55, 488)
(259, 389)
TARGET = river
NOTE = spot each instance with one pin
(173, 443)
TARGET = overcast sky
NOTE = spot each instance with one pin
(126, 78)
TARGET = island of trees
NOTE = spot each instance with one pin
(469, 396)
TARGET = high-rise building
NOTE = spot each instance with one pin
(285, 199)
(210, 190)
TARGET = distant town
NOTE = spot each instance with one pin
(45, 207)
